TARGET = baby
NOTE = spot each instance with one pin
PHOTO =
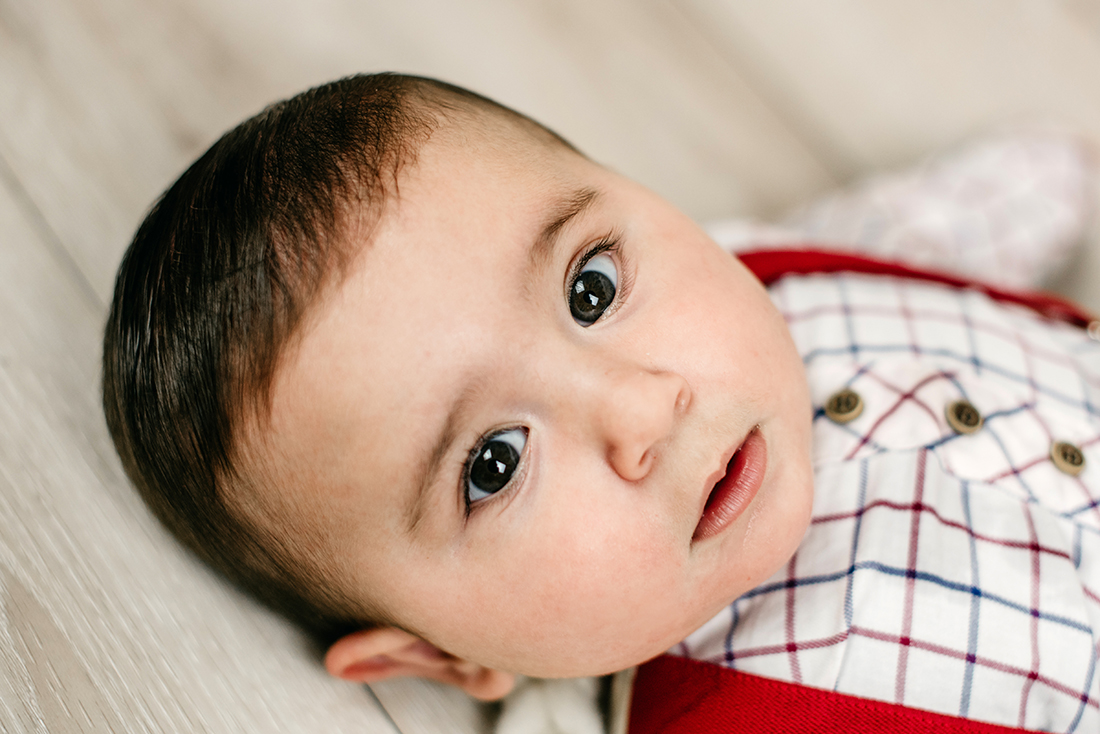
(413, 371)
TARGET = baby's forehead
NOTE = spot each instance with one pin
(427, 186)
(487, 133)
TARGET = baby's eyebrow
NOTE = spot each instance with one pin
(429, 468)
(542, 249)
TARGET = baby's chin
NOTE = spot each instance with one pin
(604, 653)
(626, 654)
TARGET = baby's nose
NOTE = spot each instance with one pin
(641, 409)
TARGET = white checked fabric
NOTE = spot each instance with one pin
(954, 573)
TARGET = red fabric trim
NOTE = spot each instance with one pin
(675, 695)
(770, 265)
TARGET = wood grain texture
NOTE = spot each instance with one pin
(884, 82)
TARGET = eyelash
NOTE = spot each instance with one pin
(611, 243)
(475, 450)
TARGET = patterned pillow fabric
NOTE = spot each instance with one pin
(1006, 210)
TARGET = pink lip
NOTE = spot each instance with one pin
(734, 486)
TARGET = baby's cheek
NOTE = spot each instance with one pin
(605, 558)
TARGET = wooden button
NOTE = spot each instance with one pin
(844, 406)
(1094, 330)
(1067, 457)
(963, 417)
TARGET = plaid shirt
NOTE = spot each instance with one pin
(948, 572)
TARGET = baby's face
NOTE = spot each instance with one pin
(515, 427)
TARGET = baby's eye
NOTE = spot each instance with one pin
(593, 290)
(494, 463)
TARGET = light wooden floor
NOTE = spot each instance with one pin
(724, 106)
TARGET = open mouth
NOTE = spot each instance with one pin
(735, 488)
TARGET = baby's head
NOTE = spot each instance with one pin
(412, 370)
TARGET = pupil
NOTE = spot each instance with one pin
(590, 296)
(494, 466)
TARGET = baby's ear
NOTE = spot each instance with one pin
(387, 652)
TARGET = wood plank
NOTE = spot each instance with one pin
(88, 151)
(1086, 12)
(426, 707)
(886, 82)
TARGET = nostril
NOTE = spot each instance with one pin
(683, 395)
(632, 459)
(683, 399)
(639, 410)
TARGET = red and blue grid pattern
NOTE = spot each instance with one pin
(947, 572)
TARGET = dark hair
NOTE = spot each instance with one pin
(215, 283)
